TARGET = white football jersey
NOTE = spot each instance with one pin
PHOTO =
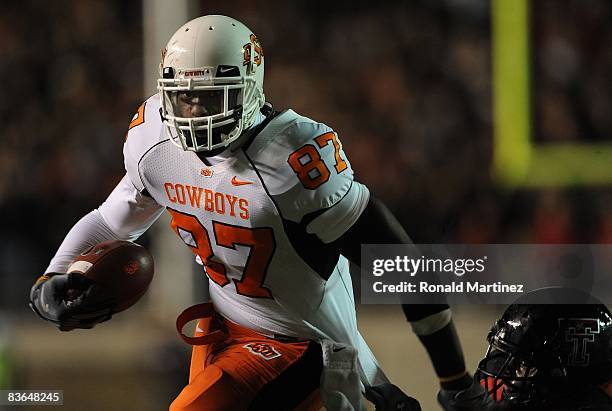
(258, 218)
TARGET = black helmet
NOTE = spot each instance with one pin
(536, 352)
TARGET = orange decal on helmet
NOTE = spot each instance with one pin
(248, 48)
(247, 54)
(258, 49)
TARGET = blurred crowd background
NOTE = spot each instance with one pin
(407, 85)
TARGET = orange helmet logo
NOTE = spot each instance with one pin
(164, 51)
(254, 47)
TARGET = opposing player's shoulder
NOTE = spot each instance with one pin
(145, 129)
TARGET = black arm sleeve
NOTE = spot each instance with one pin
(376, 225)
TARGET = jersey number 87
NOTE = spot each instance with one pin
(259, 240)
(306, 161)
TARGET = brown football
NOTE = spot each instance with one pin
(122, 267)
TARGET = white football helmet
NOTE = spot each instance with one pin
(211, 84)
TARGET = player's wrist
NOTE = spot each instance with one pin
(44, 277)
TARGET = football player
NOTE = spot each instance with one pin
(549, 357)
(268, 204)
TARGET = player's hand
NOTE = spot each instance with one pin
(70, 301)
(388, 397)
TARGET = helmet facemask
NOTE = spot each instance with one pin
(203, 113)
(517, 377)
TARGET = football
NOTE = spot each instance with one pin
(122, 267)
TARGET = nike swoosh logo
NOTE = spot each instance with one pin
(236, 182)
(338, 349)
(224, 69)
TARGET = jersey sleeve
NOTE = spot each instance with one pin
(336, 220)
(325, 197)
(127, 212)
(133, 146)
(125, 215)
(310, 178)
(144, 132)
(131, 168)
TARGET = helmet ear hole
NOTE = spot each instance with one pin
(168, 73)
